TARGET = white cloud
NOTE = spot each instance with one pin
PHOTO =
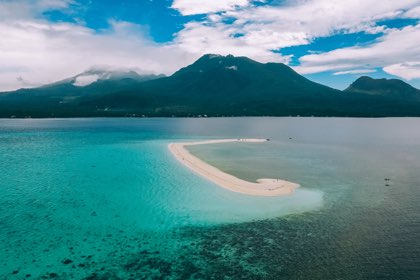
(273, 40)
(199, 38)
(41, 52)
(194, 7)
(27, 9)
(408, 70)
(85, 80)
(395, 48)
(413, 13)
(355, 71)
(317, 18)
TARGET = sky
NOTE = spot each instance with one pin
(329, 41)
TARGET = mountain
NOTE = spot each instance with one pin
(224, 85)
(62, 98)
(214, 85)
(392, 88)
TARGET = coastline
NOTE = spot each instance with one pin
(263, 187)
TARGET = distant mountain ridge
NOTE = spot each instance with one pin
(214, 85)
(392, 88)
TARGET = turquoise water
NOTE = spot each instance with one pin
(104, 199)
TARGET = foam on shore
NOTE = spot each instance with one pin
(263, 187)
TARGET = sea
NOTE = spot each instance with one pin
(103, 198)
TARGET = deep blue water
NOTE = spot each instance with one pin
(104, 198)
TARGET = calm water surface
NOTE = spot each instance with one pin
(104, 199)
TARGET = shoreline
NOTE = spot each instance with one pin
(263, 187)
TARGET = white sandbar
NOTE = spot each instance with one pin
(263, 187)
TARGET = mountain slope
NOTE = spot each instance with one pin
(392, 88)
(62, 98)
(214, 85)
(226, 85)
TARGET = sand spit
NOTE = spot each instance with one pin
(263, 187)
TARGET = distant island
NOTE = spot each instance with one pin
(263, 187)
(213, 86)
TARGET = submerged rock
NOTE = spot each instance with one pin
(67, 261)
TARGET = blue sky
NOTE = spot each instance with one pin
(329, 41)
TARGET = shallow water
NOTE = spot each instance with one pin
(104, 198)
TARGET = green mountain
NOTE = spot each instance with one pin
(224, 85)
(62, 99)
(392, 88)
(214, 85)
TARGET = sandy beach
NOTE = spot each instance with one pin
(263, 187)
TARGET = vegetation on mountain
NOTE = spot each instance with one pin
(214, 85)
